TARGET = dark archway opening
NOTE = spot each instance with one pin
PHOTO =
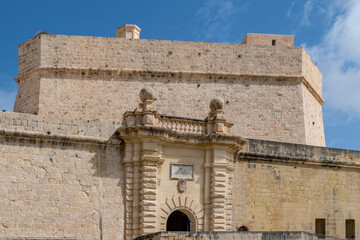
(178, 221)
(243, 229)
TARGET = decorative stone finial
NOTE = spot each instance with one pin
(147, 94)
(216, 106)
(147, 97)
(129, 31)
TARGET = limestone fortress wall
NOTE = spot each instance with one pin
(65, 179)
(271, 93)
(60, 179)
(82, 157)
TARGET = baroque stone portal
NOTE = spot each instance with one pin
(156, 147)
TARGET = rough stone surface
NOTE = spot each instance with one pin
(98, 78)
(82, 159)
(230, 236)
(59, 180)
(281, 186)
(268, 40)
(28, 123)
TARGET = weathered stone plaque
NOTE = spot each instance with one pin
(183, 171)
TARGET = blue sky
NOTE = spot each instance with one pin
(328, 29)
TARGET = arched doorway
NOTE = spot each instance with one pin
(178, 221)
(243, 229)
(182, 203)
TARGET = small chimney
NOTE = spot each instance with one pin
(129, 31)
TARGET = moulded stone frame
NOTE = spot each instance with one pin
(189, 214)
(188, 205)
(180, 164)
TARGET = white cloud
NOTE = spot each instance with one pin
(7, 100)
(317, 12)
(218, 17)
(308, 7)
(290, 10)
(338, 57)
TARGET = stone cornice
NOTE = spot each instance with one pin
(313, 91)
(59, 138)
(113, 73)
(169, 135)
(255, 157)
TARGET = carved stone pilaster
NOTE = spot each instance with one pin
(207, 178)
(128, 200)
(129, 176)
(148, 185)
(136, 188)
(218, 192)
(222, 168)
(230, 173)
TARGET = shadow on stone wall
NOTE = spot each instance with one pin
(77, 185)
(233, 235)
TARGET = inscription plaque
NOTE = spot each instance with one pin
(178, 171)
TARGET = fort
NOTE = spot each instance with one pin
(224, 137)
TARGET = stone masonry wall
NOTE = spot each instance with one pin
(29, 55)
(54, 185)
(284, 187)
(313, 120)
(311, 73)
(99, 78)
(27, 97)
(71, 128)
(158, 55)
(266, 39)
(229, 236)
(255, 106)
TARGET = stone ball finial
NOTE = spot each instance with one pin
(147, 94)
(216, 104)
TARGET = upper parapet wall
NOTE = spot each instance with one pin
(268, 40)
(116, 54)
(300, 154)
(22, 124)
(29, 55)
